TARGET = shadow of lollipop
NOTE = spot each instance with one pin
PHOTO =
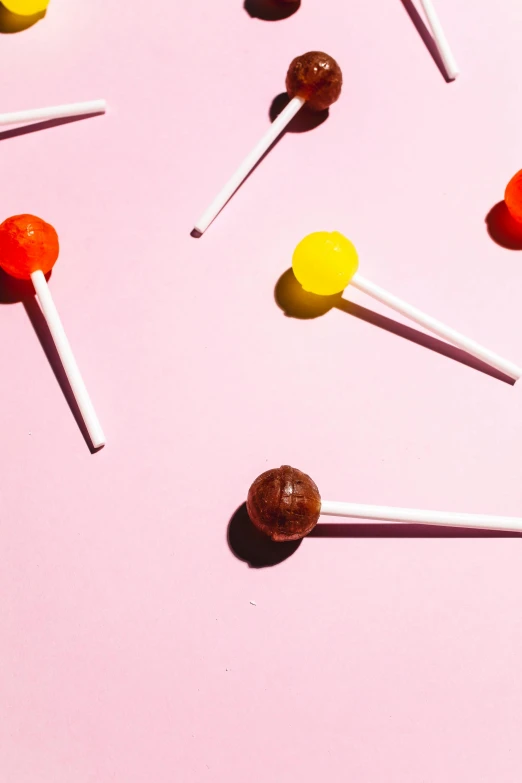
(297, 303)
(14, 291)
(249, 544)
(502, 228)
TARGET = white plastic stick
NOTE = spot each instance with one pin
(275, 130)
(390, 514)
(53, 112)
(440, 39)
(67, 358)
(438, 328)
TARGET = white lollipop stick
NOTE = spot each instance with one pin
(275, 130)
(390, 514)
(438, 328)
(440, 39)
(67, 358)
(53, 112)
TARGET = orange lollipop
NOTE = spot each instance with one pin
(513, 197)
(28, 251)
(27, 243)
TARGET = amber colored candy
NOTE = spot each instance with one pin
(316, 77)
(27, 244)
(284, 503)
(513, 197)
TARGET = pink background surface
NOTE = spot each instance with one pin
(129, 649)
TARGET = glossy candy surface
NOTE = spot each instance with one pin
(25, 7)
(513, 197)
(325, 262)
(284, 503)
(316, 77)
(27, 244)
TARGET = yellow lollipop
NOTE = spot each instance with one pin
(324, 262)
(25, 7)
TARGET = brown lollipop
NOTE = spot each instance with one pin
(285, 504)
(314, 79)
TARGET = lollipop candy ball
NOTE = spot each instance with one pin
(513, 197)
(25, 7)
(284, 503)
(27, 244)
(324, 262)
(316, 77)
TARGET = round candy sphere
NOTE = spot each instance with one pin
(513, 197)
(316, 77)
(284, 503)
(324, 262)
(25, 7)
(27, 244)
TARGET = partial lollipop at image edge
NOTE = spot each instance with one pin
(325, 263)
(29, 249)
(513, 197)
(82, 109)
(25, 7)
(314, 79)
(285, 504)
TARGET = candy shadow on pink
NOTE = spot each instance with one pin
(39, 324)
(296, 303)
(502, 228)
(271, 10)
(14, 23)
(24, 130)
(14, 291)
(305, 120)
(250, 545)
(402, 530)
(426, 37)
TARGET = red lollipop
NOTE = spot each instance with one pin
(28, 251)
